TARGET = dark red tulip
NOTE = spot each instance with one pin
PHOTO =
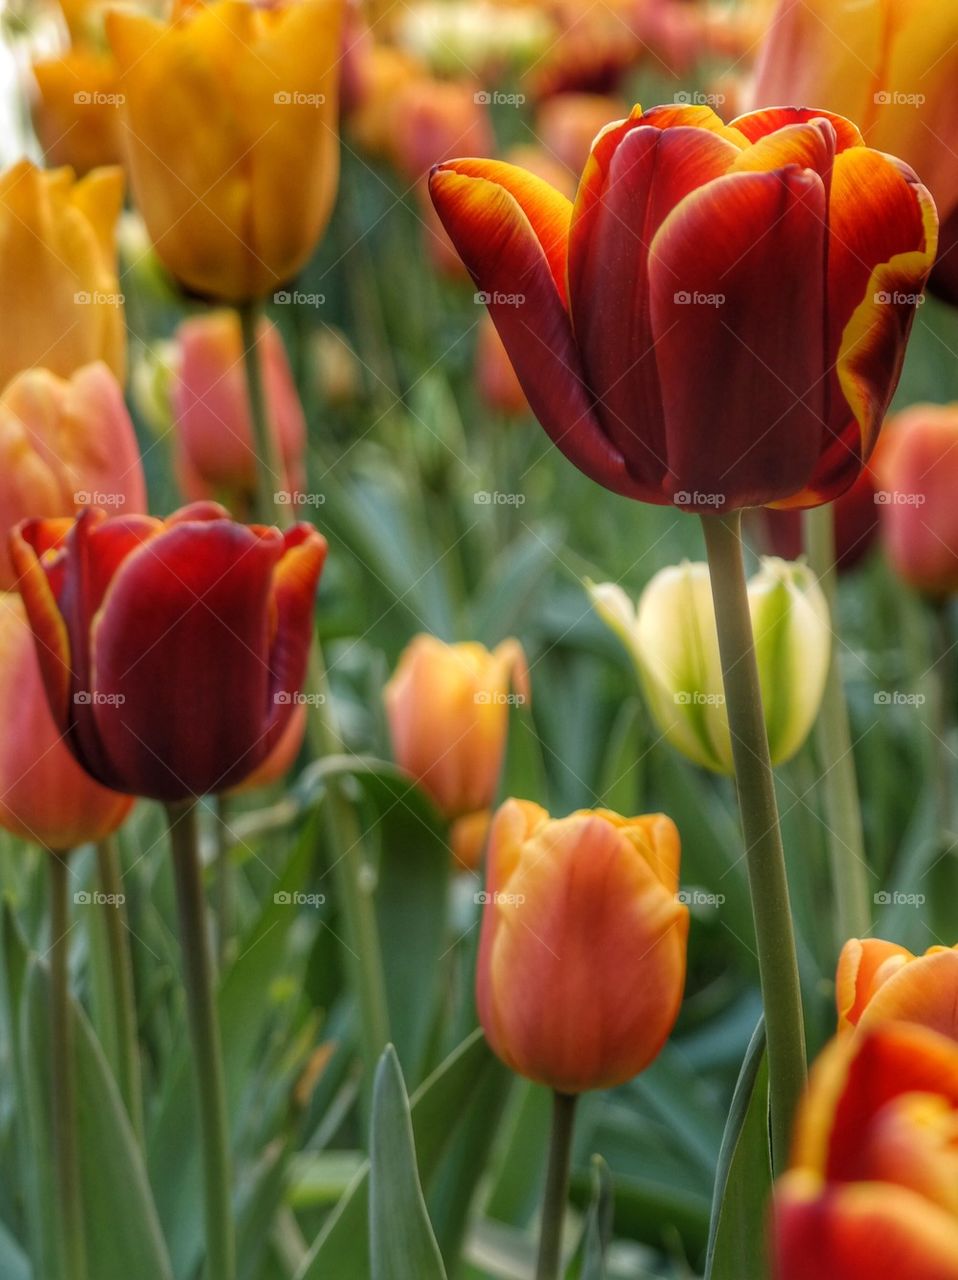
(719, 319)
(171, 650)
(856, 525)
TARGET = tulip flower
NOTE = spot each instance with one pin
(211, 414)
(448, 712)
(230, 134)
(171, 650)
(59, 295)
(567, 124)
(917, 468)
(856, 523)
(688, 364)
(871, 1192)
(890, 66)
(582, 951)
(879, 981)
(673, 641)
(77, 109)
(45, 796)
(65, 443)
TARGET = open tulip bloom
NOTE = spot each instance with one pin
(719, 319)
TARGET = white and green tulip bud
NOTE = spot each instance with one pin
(672, 637)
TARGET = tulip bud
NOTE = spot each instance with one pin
(215, 457)
(673, 640)
(917, 467)
(448, 712)
(45, 796)
(878, 981)
(65, 444)
(582, 951)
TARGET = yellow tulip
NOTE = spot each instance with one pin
(59, 296)
(230, 137)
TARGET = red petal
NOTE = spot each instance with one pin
(758, 124)
(737, 296)
(635, 177)
(30, 543)
(294, 595)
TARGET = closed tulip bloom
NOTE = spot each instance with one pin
(59, 295)
(282, 757)
(582, 950)
(230, 133)
(211, 414)
(673, 640)
(45, 796)
(719, 319)
(171, 650)
(76, 113)
(65, 443)
(890, 66)
(856, 523)
(917, 469)
(879, 981)
(448, 712)
(872, 1192)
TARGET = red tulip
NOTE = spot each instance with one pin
(856, 525)
(872, 1193)
(44, 794)
(719, 320)
(171, 650)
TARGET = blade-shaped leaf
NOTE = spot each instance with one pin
(598, 1225)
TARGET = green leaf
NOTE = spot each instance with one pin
(401, 1239)
(342, 1247)
(598, 1224)
(14, 1264)
(123, 1237)
(743, 1178)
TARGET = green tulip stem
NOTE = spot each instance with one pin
(270, 472)
(764, 854)
(225, 886)
(838, 782)
(557, 1186)
(204, 1035)
(121, 982)
(63, 1077)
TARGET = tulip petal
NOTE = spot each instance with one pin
(858, 964)
(737, 272)
(30, 543)
(203, 643)
(866, 1231)
(696, 117)
(811, 146)
(759, 124)
(923, 990)
(497, 239)
(294, 594)
(635, 177)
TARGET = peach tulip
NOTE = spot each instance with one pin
(879, 981)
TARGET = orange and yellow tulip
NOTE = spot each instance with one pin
(230, 136)
(45, 796)
(890, 66)
(76, 113)
(65, 443)
(917, 469)
(448, 712)
(878, 981)
(743, 348)
(582, 951)
(59, 295)
(872, 1188)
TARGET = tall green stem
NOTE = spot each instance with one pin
(270, 473)
(63, 1077)
(204, 1034)
(121, 982)
(765, 857)
(557, 1186)
(224, 879)
(839, 784)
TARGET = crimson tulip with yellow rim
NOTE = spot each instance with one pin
(719, 318)
(171, 650)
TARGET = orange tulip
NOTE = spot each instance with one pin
(59, 296)
(879, 981)
(65, 443)
(917, 470)
(780, 266)
(872, 1192)
(77, 111)
(448, 712)
(45, 796)
(214, 434)
(230, 131)
(582, 952)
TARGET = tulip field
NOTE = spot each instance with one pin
(478, 640)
